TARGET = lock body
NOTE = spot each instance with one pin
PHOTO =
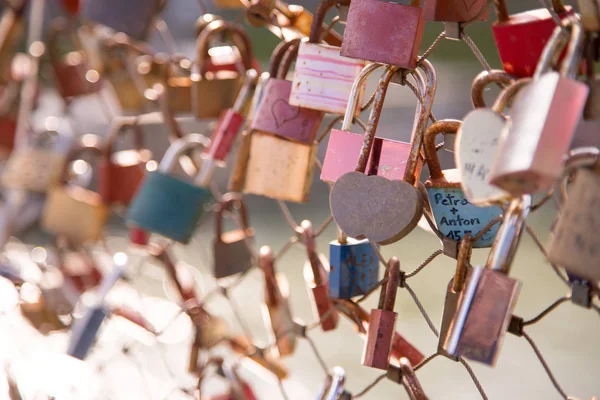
(383, 32)
(74, 77)
(387, 158)
(68, 204)
(354, 268)
(278, 318)
(121, 176)
(214, 92)
(323, 78)
(231, 252)
(168, 206)
(377, 351)
(275, 115)
(274, 167)
(322, 303)
(544, 118)
(455, 216)
(456, 10)
(450, 307)
(33, 169)
(521, 39)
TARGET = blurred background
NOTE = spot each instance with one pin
(567, 338)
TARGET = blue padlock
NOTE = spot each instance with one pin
(453, 214)
(167, 205)
(354, 268)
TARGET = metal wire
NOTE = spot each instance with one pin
(547, 311)
(539, 244)
(473, 378)
(422, 310)
(558, 388)
(425, 263)
(370, 386)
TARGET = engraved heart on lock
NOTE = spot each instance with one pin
(279, 109)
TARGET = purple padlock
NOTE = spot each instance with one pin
(274, 114)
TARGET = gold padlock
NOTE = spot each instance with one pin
(179, 85)
(216, 91)
(73, 212)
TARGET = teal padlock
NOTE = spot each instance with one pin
(354, 267)
(167, 205)
(453, 214)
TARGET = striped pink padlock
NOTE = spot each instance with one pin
(323, 78)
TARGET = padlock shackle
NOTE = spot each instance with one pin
(450, 126)
(509, 234)
(465, 248)
(246, 93)
(319, 17)
(118, 127)
(267, 264)
(508, 93)
(483, 79)
(238, 36)
(581, 157)
(555, 46)
(178, 147)
(410, 381)
(503, 15)
(229, 201)
(86, 143)
(355, 92)
(203, 21)
(290, 56)
(387, 296)
(278, 54)
(334, 384)
(259, 12)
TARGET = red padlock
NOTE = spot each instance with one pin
(138, 236)
(521, 38)
(382, 321)
(71, 7)
(318, 281)
(122, 172)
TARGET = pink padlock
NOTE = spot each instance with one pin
(274, 114)
(384, 32)
(318, 280)
(382, 321)
(388, 158)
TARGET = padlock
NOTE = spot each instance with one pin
(259, 356)
(382, 321)
(167, 205)
(67, 203)
(138, 236)
(239, 389)
(520, 38)
(543, 122)
(374, 207)
(456, 10)
(37, 167)
(384, 32)
(71, 70)
(213, 92)
(589, 11)
(209, 331)
(475, 152)
(390, 159)
(592, 106)
(122, 172)
(322, 78)
(483, 79)
(360, 317)
(135, 18)
(455, 288)
(179, 84)
(454, 215)
(573, 244)
(276, 308)
(316, 277)
(275, 115)
(354, 267)
(405, 375)
(232, 251)
(12, 30)
(334, 386)
(486, 305)
(229, 124)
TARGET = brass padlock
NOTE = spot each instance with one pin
(67, 203)
(213, 92)
(574, 244)
(179, 85)
(232, 252)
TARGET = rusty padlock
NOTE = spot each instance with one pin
(454, 215)
(573, 243)
(122, 172)
(382, 210)
(232, 250)
(544, 118)
(384, 32)
(520, 38)
(213, 92)
(276, 309)
(486, 306)
(382, 321)
(73, 75)
(275, 115)
(322, 77)
(456, 10)
(316, 277)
